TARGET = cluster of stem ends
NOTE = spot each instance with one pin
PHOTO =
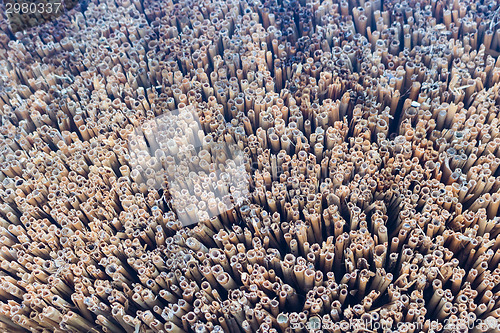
(371, 136)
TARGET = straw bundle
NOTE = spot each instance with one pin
(370, 131)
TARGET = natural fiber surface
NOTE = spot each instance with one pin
(370, 134)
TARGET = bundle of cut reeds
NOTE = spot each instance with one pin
(369, 131)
